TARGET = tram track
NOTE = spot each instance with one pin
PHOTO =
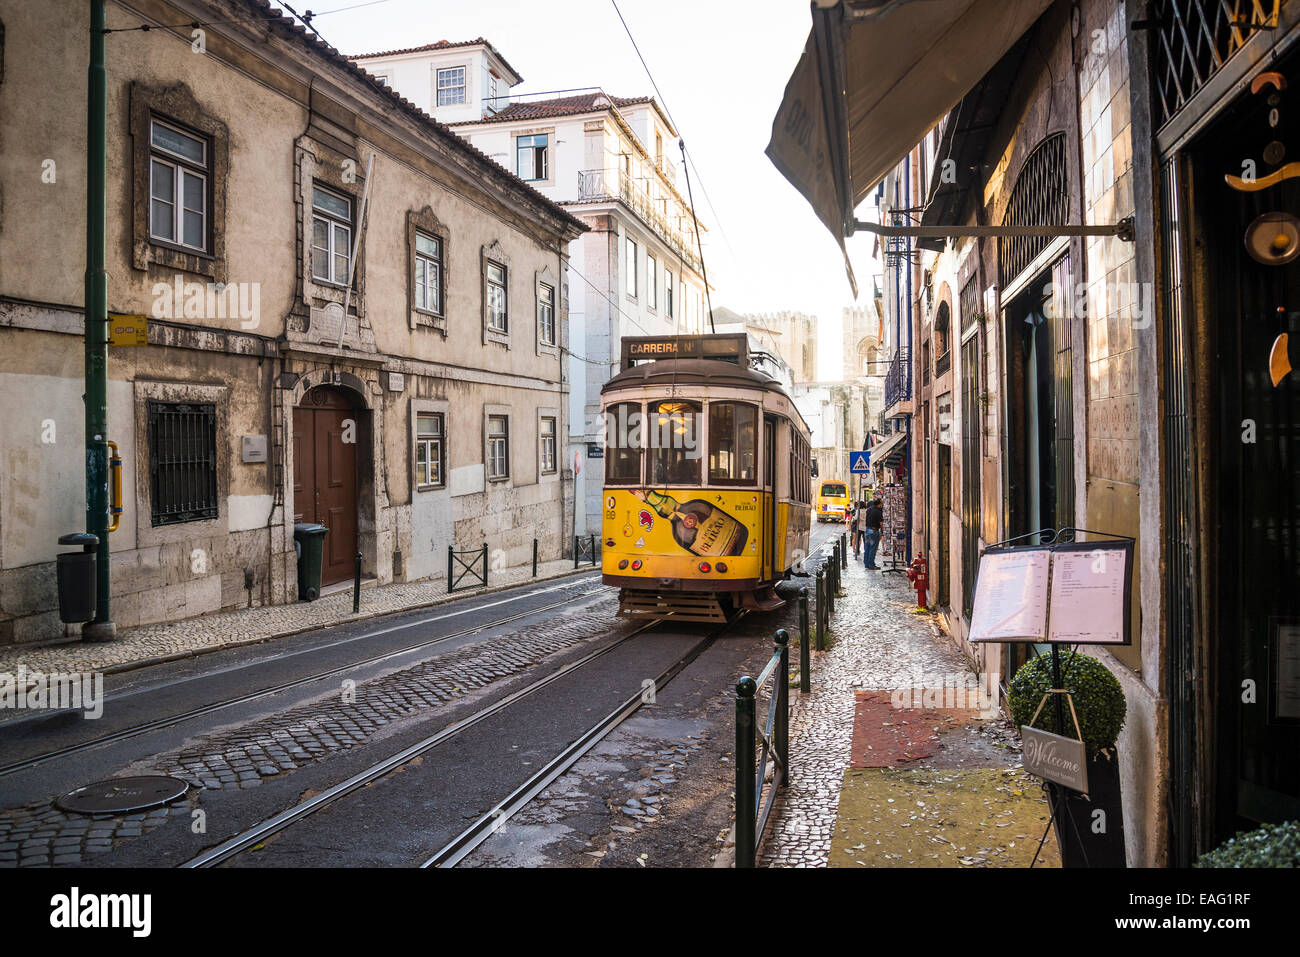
(169, 721)
(484, 826)
(489, 823)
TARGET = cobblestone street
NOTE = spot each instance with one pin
(878, 643)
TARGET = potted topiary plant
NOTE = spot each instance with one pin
(1273, 845)
(1089, 828)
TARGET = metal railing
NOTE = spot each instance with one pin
(755, 746)
(585, 550)
(459, 568)
(898, 381)
(597, 185)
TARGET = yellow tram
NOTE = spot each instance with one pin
(708, 480)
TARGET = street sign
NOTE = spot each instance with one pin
(128, 329)
(860, 462)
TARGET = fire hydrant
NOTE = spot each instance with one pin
(918, 574)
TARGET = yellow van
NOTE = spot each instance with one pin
(832, 501)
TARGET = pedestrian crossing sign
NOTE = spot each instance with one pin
(860, 462)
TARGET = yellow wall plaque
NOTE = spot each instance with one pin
(128, 329)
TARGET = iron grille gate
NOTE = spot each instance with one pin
(971, 461)
(182, 461)
(1179, 528)
(1063, 394)
(1194, 38)
(1039, 198)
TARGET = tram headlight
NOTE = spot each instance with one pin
(705, 567)
(622, 564)
(636, 565)
(722, 567)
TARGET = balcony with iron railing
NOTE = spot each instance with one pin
(605, 185)
(898, 381)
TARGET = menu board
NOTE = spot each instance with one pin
(1088, 590)
(1011, 596)
(1286, 669)
(1073, 593)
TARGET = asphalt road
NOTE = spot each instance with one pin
(683, 738)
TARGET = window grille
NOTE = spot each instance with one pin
(1038, 199)
(969, 304)
(1194, 38)
(183, 461)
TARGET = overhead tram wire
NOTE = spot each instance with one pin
(688, 163)
(681, 143)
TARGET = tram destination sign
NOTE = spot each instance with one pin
(727, 348)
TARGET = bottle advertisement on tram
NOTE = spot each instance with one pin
(675, 533)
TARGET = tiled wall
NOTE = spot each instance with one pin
(1113, 299)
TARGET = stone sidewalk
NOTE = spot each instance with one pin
(168, 641)
(891, 779)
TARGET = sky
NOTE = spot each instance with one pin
(721, 67)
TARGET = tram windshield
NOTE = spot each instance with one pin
(673, 438)
(732, 458)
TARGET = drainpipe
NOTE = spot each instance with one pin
(911, 471)
(96, 330)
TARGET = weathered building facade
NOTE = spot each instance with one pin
(1121, 386)
(610, 161)
(409, 397)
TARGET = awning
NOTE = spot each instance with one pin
(874, 78)
(889, 452)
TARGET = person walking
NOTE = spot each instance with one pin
(873, 517)
(859, 527)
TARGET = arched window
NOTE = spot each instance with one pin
(1039, 198)
(942, 334)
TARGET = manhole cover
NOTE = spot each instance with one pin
(122, 795)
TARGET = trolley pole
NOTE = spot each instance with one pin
(96, 330)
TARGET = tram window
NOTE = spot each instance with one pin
(732, 457)
(673, 437)
(623, 444)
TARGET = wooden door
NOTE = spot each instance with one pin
(326, 431)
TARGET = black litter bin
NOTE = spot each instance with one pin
(309, 540)
(76, 573)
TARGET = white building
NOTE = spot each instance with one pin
(608, 160)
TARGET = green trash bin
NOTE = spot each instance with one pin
(309, 541)
(76, 578)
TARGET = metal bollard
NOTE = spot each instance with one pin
(781, 726)
(821, 610)
(805, 656)
(450, 552)
(746, 799)
(485, 564)
(534, 558)
(356, 586)
(844, 551)
(576, 540)
(831, 587)
(593, 550)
